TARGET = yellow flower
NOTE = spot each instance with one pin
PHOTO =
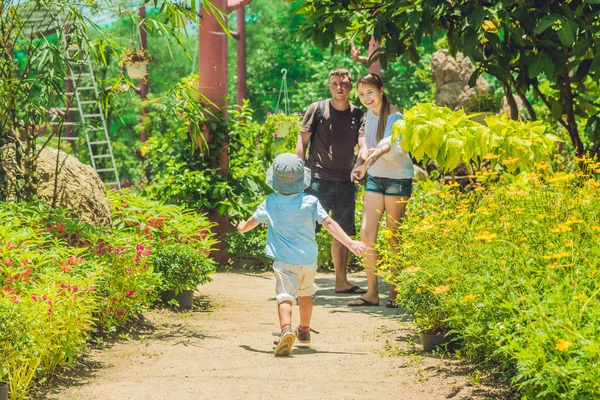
(596, 228)
(502, 262)
(489, 26)
(441, 289)
(563, 344)
(560, 177)
(469, 297)
(558, 255)
(574, 220)
(491, 156)
(486, 236)
(517, 192)
(412, 270)
(561, 228)
(510, 160)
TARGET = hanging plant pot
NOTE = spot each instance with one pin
(283, 130)
(3, 391)
(137, 70)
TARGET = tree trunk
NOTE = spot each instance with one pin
(514, 110)
(567, 95)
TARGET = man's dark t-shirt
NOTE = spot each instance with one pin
(332, 142)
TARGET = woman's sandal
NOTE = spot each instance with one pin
(390, 304)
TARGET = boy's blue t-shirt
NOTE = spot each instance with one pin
(291, 226)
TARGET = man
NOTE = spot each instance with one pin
(334, 127)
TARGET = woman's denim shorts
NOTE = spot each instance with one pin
(389, 186)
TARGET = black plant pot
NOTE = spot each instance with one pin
(185, 298)
(432, 340)
(3, 391)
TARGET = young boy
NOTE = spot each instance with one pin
(291, 215)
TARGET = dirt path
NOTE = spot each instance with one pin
(223, 350)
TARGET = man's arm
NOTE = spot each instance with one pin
(302, 143)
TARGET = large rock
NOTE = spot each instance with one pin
(79, 188)
(451, 77)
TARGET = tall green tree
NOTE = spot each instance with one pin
(516, 41)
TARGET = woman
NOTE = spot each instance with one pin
(389, 172)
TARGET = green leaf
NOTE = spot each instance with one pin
(544, 24)
(498, 72)
(541, 63)
(566, 34)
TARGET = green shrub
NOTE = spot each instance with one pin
(511, 266)
(483, 102)
(181, 268)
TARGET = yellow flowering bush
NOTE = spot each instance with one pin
(512, 267)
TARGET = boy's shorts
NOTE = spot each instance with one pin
(294, 281)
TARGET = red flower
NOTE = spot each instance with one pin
(8, 261)
(130, 292)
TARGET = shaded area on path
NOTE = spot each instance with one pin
(223, 349)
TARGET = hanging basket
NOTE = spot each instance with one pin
(283, 129)
(137, 70)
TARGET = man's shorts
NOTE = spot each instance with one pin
(389, 186)
(294, 280)
(338, 199)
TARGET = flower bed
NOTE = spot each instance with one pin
(64, 279)
(512, 267)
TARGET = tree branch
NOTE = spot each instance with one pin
(545, 101)
(523, 98)
(356, 55)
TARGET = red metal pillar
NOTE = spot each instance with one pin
(241, 56)
(212, 80)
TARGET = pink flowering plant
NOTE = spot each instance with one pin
(63, 280)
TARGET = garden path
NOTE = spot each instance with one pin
(222, 349)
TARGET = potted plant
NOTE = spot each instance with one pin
(3, 391)
(136, 62)
(181, 269)
(422, 296)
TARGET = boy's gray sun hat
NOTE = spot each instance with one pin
(288, 174)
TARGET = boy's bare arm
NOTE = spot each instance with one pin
(337, 232)
(245, 226)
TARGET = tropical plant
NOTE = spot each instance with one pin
(449, 137)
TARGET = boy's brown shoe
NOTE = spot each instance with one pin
(286, 343)
(304, 337)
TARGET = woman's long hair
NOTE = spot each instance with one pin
(384, 112)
